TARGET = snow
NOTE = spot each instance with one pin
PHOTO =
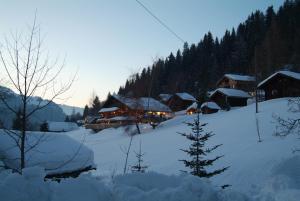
(150, 104)
(283, 72)
(109, 109)
(145, 103)
(165, 97)
(55, 152)
(61, 126)
(232, 92)
(131, 187)
(186, 96)
(251, 163)
(193, 106)
(69, 110)
(259, 171)
(240, 77)
(211, 105)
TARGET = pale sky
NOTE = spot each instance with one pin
(107, 40)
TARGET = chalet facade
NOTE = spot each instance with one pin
(209, 108)
(181, 101)
(281, 84)
(226, 98)
(234, 81)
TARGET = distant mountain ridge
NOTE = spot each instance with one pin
(68, 109)
(52, 112)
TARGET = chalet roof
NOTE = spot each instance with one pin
(108, 109)
(231, 93)
(193, 106)
(150, 104)
(165, 97)
(186, 96)
(144, 103)
(211, 105)
(287, 73)
(245, 78)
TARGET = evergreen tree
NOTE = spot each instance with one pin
(44, 127)
(96, 106)
(198, 152)
(67, 119)
(85, 111)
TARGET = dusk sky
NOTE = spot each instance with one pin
(107, 40)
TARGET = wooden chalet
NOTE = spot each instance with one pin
(119, 110)
(181, 101)
(226, 98)
(281, 84)
(209, 107)
(234, 81)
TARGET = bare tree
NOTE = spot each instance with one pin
(30, 72)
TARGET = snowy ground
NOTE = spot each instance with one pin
(260, 171)
(252, 163)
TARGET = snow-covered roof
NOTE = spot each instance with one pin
(150, 104)
(283, 72)
(144, 103)
(61, 126)
(211, 105)
(240, 77)
(165, 97)
(54, 152)
(186, 96)
(193, 106)
(109, 109)
(232, 92)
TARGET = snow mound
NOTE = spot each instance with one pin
(54, 152)
(131, 187)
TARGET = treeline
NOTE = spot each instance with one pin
(266, 41)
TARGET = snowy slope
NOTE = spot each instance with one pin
(252, 163)
(50, 113)
(68, 110)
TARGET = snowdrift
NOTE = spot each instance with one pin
(54, 152)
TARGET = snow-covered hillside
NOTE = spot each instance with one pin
(50, 113)
(252, 164)
(68, 110)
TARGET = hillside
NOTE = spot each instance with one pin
(252, 164)
(50, 113)
(68, 110)
(266, 40)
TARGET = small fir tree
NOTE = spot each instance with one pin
(96, 106)
(139, 167)
(85, 111)
(44, 127)
(198, 152)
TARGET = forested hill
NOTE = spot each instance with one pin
(271, 39)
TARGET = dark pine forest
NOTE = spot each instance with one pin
(265, 42)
